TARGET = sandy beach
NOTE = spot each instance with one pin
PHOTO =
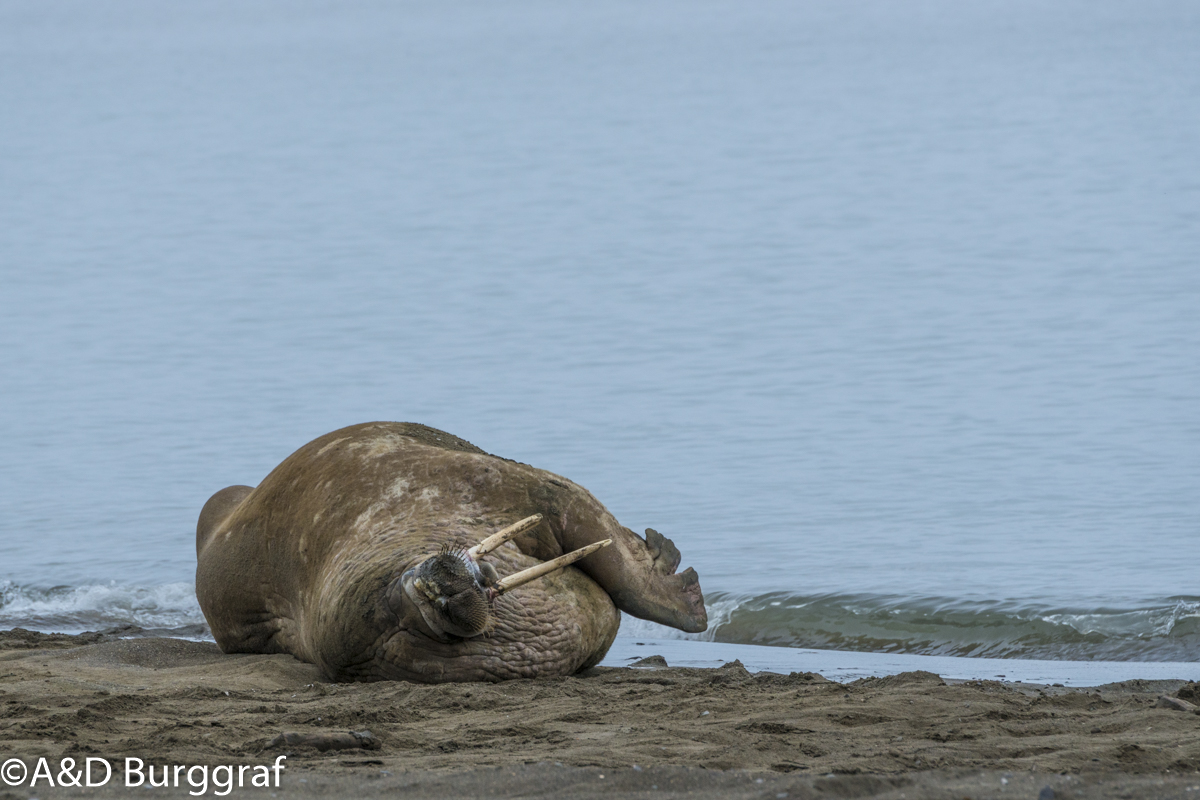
(646, 731)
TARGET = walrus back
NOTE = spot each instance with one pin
(424, 435)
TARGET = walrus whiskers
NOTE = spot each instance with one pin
(501, 536)
(533, 573)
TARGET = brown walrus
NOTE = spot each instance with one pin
(361, 553)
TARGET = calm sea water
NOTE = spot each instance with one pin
(886, 312)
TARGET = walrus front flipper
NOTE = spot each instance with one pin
(650, 588)
(668, 598)
(638, 574)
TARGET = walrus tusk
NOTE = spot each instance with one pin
(533, 573)
(501, 536)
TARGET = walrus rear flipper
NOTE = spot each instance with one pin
(218, 507)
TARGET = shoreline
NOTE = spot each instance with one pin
(837, 665)
(852, 665)
(701, 732)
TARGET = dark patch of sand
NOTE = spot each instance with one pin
(701, 733)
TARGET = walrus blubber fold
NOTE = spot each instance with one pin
(372, 552)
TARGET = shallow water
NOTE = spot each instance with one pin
(844, 666)
(886, 311)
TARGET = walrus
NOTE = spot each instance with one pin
(376, 553)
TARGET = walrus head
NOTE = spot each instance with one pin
(451, 590)
(454, 590)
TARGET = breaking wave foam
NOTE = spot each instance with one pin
(74, 609)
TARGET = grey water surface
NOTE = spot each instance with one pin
(888, 313)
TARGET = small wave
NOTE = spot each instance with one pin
(74, 609)
(1166, 631)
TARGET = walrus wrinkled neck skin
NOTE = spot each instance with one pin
(312, 563)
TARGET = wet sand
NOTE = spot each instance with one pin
(647, 731)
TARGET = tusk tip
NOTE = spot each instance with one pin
(545, 568)
(504, 535)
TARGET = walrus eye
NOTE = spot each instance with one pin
(488, 573)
